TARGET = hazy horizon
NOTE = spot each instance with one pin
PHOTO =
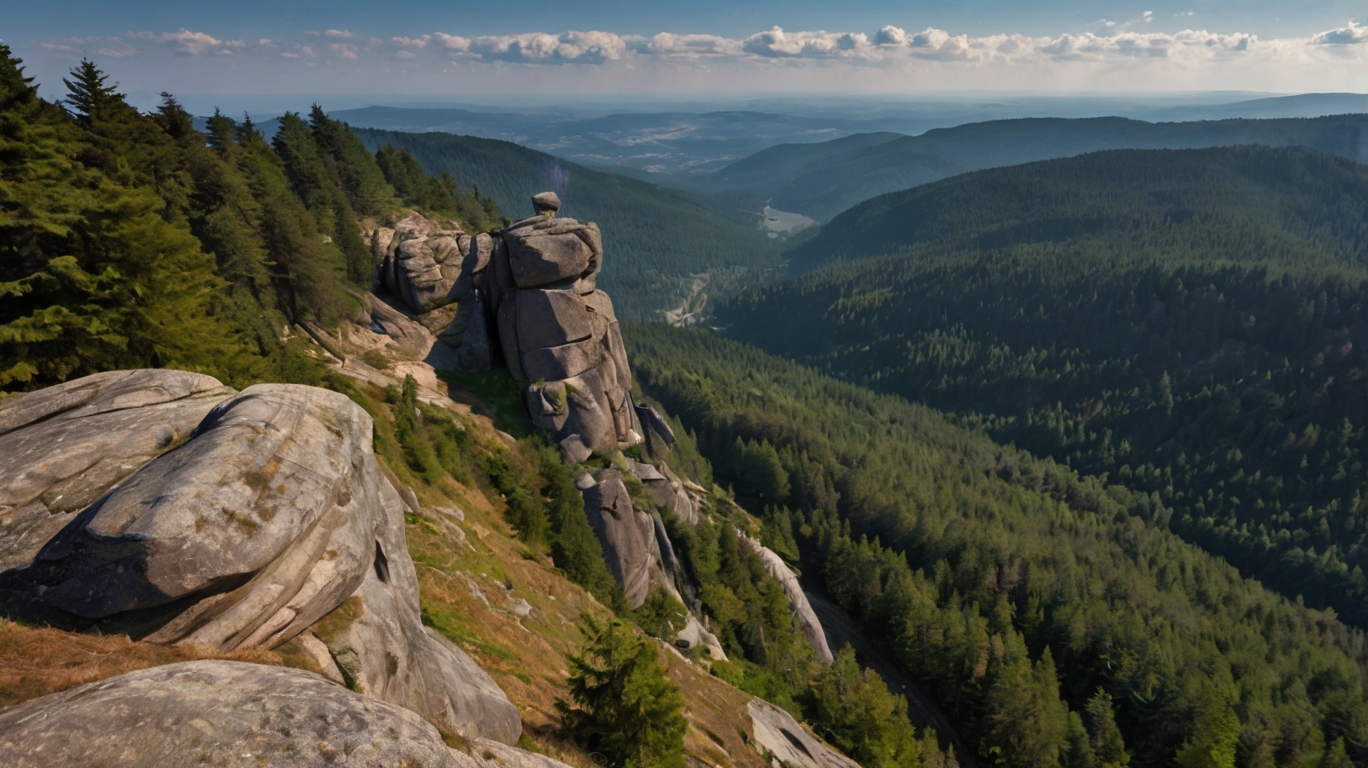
(708, 50)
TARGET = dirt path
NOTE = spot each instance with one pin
(921, 710)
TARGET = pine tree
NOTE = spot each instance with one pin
(1214, 736)
(854, 709)
(1080, 749)
(621, 704)
(93, 276)
(90, 97)
(1105, 735)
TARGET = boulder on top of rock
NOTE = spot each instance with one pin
(542, 250)
(546, 203)
(220, 713)
(272, 515)
(66, 445)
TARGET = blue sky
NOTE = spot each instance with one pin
(693, 49)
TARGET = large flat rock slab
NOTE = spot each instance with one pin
(273, 516)
(221, 713)
(66, 445)
(780, 735)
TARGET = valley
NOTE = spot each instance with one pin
(931, 434)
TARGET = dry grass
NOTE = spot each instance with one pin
(466, 595)
(473, 591)
(37, 661)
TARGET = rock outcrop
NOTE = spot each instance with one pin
(798, 602)
(528, 296)
(425, 266)
(66, 445)
(627, 534)
(667, 491)
(273, 515)
(381, 646)
(219, 713)
(780, 735)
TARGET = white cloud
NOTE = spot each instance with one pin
(542, 48)
(689, 46)
(1126, 54)
(1350, 35)
(778, 43)
(453, 43)
(190, 43)
(343, 51)
(890, 35)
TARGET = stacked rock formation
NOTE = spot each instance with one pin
(270, 514)
(535, 285)
(529, 297)
(558, 332)
(427, 266)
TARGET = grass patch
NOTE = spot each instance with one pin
(497, 395)
(445, 622)
(37, 661)
(340, 619)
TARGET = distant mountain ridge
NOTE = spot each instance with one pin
(687, 140)
(1295, 205)
(821, 180)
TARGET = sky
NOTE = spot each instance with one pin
(455, 50)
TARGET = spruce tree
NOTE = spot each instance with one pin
(89, 96)
(854, 709)
(621, 704)
(1105, 735)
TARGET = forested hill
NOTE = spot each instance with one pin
(823, 179)
(1294, 206)
(1186, 324)
(654, 238)
(132, 240)
(1049, 617)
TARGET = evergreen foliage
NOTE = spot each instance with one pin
(1186, 324)
(1011, 588)
(93, 275)
(133, 240)
(402, 171)
(661, 615)
(857, 713)
(621, 704)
